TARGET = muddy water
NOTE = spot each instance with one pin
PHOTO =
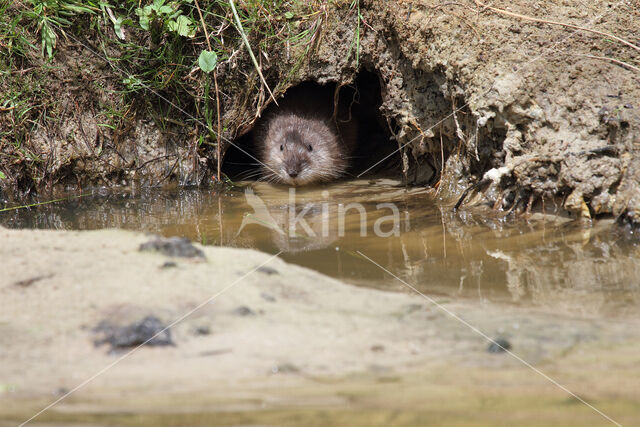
(540, 261)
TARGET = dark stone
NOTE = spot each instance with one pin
(168, 264)
(148, 331)
(499, 345)
(243, 310)
(377, 348)
(267, 270)
(173, 246)
(202, 330)
(61, 391)
(268, 297)
(28, 282)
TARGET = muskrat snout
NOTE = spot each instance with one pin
(293, 166)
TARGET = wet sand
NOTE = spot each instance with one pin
(284, 345)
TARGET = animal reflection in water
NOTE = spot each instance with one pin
(300, 225)
(295, 227)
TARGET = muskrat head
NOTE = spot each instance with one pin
(299, 151)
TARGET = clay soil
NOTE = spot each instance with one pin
(537, 102)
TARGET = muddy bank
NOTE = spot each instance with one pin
(479, 254)
(548, 108)
(277, 341)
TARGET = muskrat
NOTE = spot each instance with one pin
(304, 140)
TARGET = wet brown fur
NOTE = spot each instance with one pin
(301, 142)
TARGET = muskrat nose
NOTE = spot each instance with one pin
(292, 173)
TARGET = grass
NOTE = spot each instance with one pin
(355, 4)
(148, 47)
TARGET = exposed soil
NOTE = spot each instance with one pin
(255, 340)
(535, 115)
(467, 89)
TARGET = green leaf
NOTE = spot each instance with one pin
(132, 83)
(207, 61)
(48, 40)
(175, 14)
(117, 27)
(145, 16)
(3, 176)
(144, 11)
(144, 23)
(183, 26)
(76, 8)
(288, 15)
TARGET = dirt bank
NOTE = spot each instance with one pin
(550, 107)
(280, 342)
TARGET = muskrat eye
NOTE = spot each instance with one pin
(310, 147)
(281, 147)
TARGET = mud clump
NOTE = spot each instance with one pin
(244, 311)
(173, 247)
(499, 345)
(148, 331)
(28, 282)
(267, 270)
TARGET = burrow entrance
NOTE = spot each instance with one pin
(411, 141)
(376, 154)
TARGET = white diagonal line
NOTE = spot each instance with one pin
(123, 72)
(130, 352)
(491, 340)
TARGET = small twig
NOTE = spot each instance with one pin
(563, 24)
(219, 133)
(246, 43)
(169, 173)
(606, 58)
(441, 153)
(440, 6)
(204, 26)
(477, 185)
(459, 132)
(439, 188)
(155, 159)
(176, 122)
(527, 210)
(215, 82)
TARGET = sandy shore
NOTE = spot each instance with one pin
(280, 344)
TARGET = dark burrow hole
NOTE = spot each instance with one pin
(376, 153)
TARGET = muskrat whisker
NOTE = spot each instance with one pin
(301, 138)
(249, 175)
(244, 163)
(254, 173)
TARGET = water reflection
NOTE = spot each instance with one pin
(548, 264)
